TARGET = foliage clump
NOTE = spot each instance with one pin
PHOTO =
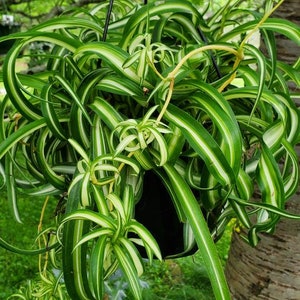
(154, 89)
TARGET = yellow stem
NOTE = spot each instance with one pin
(238, 57)
(264, 18)
(238, 54)
(169, 96)
(171, 76)
(40, 227)
(232, 77)
(199, 50)
(155, 70)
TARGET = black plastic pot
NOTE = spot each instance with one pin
(156, 212)
(6, 29)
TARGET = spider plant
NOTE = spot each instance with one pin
(150, 89)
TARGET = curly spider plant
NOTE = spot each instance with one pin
(160, 97)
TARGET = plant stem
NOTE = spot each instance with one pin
(199, 50)
(40, 227)
(244, 41)
(171, 76)
(233, 75)
(264, 18)
(165, 106)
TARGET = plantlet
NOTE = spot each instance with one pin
(168, 93)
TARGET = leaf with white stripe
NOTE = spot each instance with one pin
(269, 179)
(192, 210)
(129, 270)
(146, 236)
(133, 254)
(114, 56)
(85, 214)
(203, 143)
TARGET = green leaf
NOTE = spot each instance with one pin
(122, 159)
(74, 262)
(100, 200)
(282, 26)
(85, 214)
(273, 135)
(203, 143)
(261, 64)
(133, 254)
(94, 234)
(129, 270)
(128, 201)
(146, 236)
(79, 149)
(113, 56)
(80, 131)
(56, 180)
(268, 207)
(266, 98)
(85, 190)
(96, 265)
(68, 22)
(269, 178)
(40, 191)
(118, 205)
(112, 118)
(50, 115)
(223, 117)
(289, 72)
(120, 86)
(17, 250)
(201, 232)
(106, 112)
(20, 134)
(291, 170)
(13, 85)
(270, 44)
(67, 87)
(10, 187)
(150, 10)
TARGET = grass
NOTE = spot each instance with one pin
(14, 268)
